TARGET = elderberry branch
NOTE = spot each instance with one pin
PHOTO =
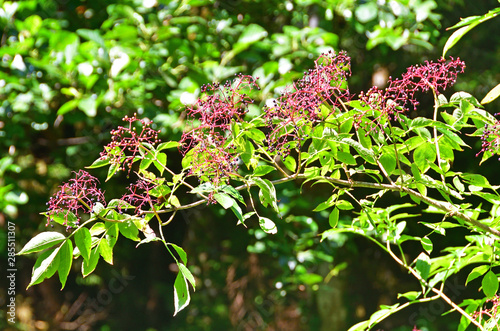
(439, 292)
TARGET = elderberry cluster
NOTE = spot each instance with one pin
(139, 195)
(127, 141)
(78, 194)
(490, 139)
(325, 84)
(215, 110)
(489, 312)
(400, 94)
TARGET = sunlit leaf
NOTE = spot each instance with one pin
(65, 261)
(492, 95)
(42, 241)
(477, 272)
(267, 225)
(181, 293)
(490, 284)
(45, 266)
(83, 241)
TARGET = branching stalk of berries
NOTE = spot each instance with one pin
(316, 132)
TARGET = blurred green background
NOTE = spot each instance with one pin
(70, 70)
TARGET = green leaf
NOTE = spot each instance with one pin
(421, 122)
(174, 201)
(267, 225)
(383, 313)
(267, 193)
(423, 265)
(263, 170)
(476, 272)
(412, 295)
(256, 135)
(476, 180)
(204, 187)
(180, 251)
(290, 163)
(466, 25)
(388, 161)
(423, 155)
(251, 34)
(333, 219)
(111, 233)
(224, 200)
(148, 240)
(490, 284)
(99, 163)
(344, 205)
(83, 241)
(364, 138)
(88, 106)
(65, 261)
(145, 162)
(416, 172)
(346, 158)
(68, 106)
(89, 267)
(310, 278)
(167, 145)
(366, 153)
(361, 326)
(45, 266)
(97, 229)
(113, 168)
(187, 275)
(453, 139)
(161, 162)
(233, 192)
(460, 187)
(187, 159)
(129, 230)
(42, 241)
(322, 206)
(492, 95)
(181, 293)
(106, 251)
(66, 218)
(238, 212)
(456, 36)
(427, 244)
(93, 35)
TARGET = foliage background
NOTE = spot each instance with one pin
(71, 69)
